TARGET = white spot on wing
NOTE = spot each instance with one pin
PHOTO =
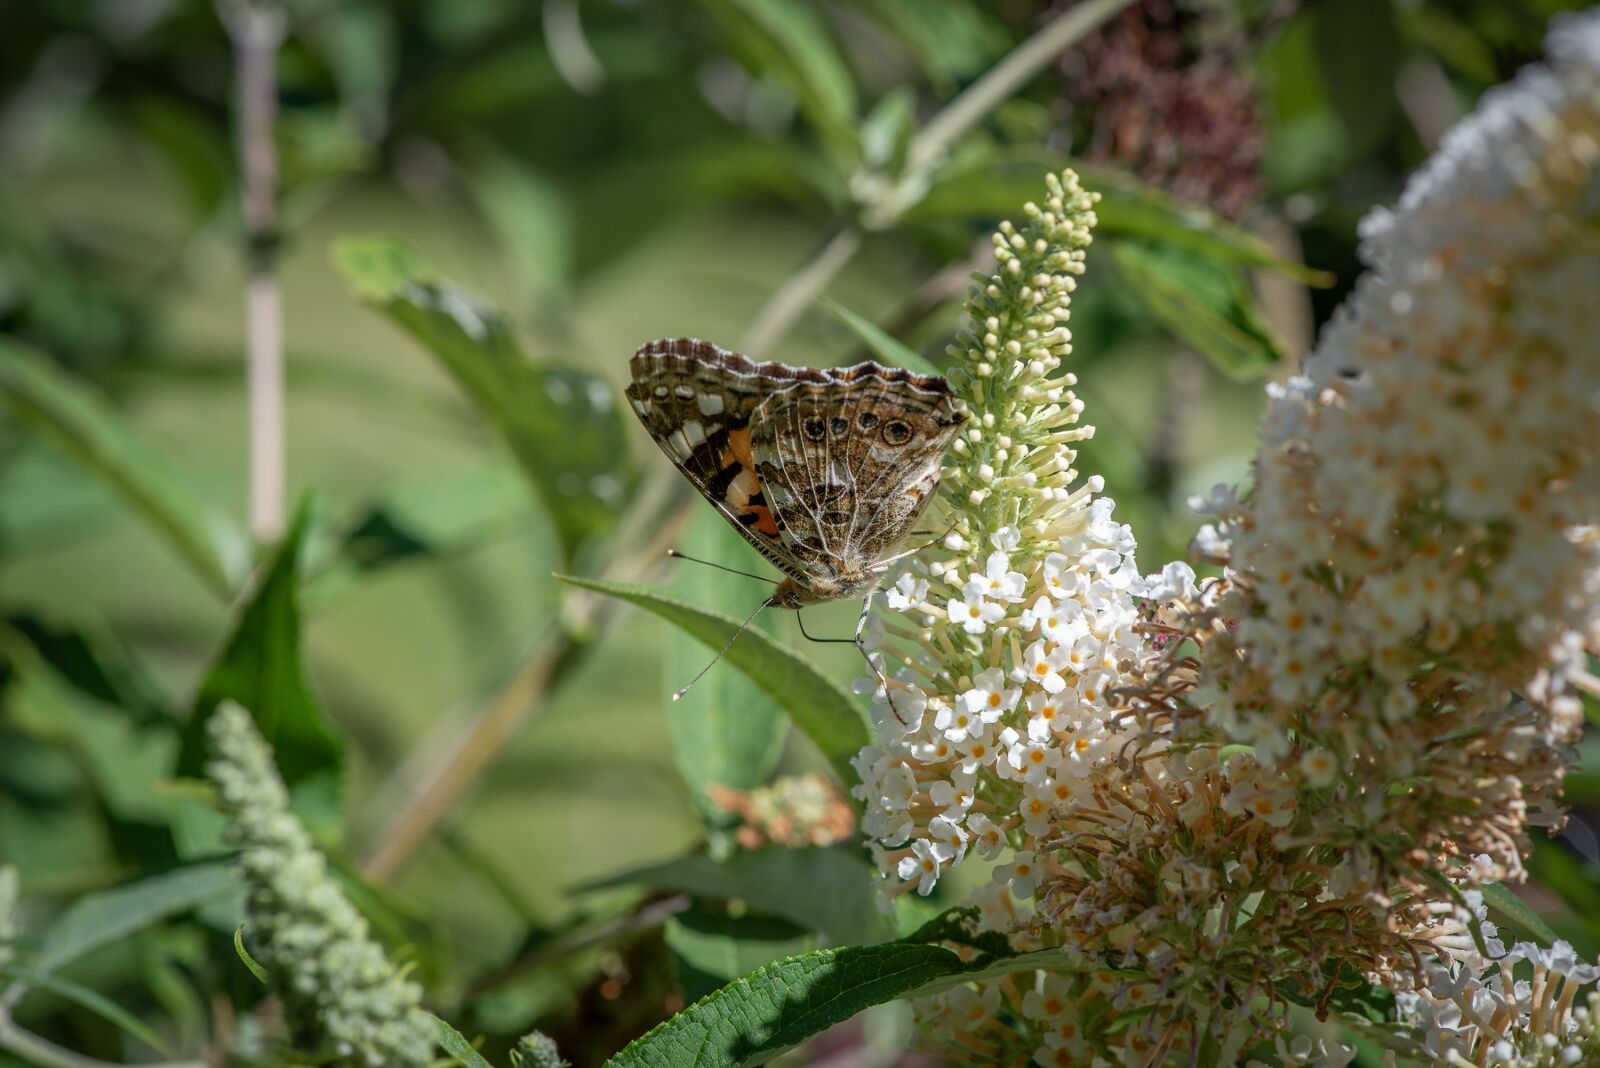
(710, 404)
(661, 391)
(640, 406)
(694, 433)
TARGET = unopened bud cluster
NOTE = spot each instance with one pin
(342, 998)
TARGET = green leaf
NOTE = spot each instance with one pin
(442, 517)
(1451, 40)
(1131, 208)
(1205, 305)
(562, 424)
(117, 759)
(1582, 785)
(1502, 900)
(461, 1051)
(1359, 55)
(789, 41)
(1368, 1001)
(249, 962)
(532, 218)
(92, 1000)
(781, 1005)
(725, 731)
(879, 343)
(990, 185)
(818, 705)
(752, 1020)
(960, 925)
(99, 919)
(1352, 996)
(95, 662)
(712, 948)
(94, 434)
(260, 668)
(829, 890)
(886, 131)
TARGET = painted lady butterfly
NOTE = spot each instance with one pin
(822, 470)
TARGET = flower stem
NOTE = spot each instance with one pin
(1000, 81)
(441, 773)
(800, 289)
(257, 31)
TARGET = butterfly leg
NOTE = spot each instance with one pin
(859, 642)
(861, 645)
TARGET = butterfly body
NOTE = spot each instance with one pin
(822, 470)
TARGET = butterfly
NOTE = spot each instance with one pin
(821, 470)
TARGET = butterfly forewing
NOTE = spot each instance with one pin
(821, 470)
(696, 401)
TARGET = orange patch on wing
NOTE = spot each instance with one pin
(764, 520)
(746, 485)
(738, 450)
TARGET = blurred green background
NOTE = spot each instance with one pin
(604, 172)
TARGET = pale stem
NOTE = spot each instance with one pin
(800, 290)
(257, 31)
(569, 47)
(422, 792)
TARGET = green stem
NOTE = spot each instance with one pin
(930, 144)
(999, 82)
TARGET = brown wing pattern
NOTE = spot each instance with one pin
(822, 470)
(696, 400)
(849, 463)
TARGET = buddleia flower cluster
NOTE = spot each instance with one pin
(1415, 579)
(343, 1000)
(791, 811)
(1513, 1006)
(1418, 561)
(537, 1050)
(1007, 651)
(1279, 788)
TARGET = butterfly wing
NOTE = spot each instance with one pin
(696, 400)
(848, 462)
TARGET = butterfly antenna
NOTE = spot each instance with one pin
(676, 555)
(768, 603)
